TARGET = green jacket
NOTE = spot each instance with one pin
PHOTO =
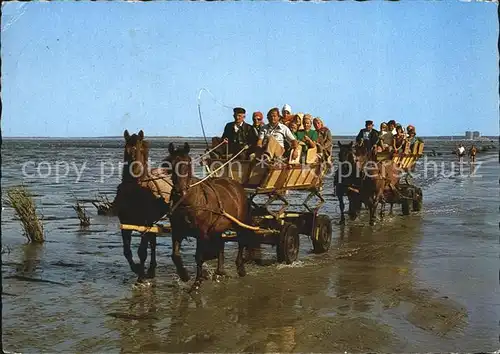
(312, 134)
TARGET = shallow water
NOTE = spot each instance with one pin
(424, 282)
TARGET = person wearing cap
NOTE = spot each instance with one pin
(258, 122)
(273, 135)
(368, 137)
(411, 138)
(239, 133)
(286, 114)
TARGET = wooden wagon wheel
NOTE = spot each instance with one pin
(322, 234)
(287, 249)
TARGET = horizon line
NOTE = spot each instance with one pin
(201, 137)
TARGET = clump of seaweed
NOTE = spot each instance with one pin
(103, 205)
(81, 213)
(21, 200)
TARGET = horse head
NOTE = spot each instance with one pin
(181, 167)
(136, 153)
(346, 153)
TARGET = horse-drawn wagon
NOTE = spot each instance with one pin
(406, 191)
(274, 220)
(385, 179)
(222, 206)
(279, 221)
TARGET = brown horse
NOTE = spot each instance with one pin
(376, 182)
(142, 199)
(201, 209)
(347, 178)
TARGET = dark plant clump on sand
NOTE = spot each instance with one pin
(81, 213)
(21, 200)
(103, 205)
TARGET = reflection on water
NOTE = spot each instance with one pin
(414, 283)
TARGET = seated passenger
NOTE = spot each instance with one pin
(294, 128)
(307, 137)
(411, 139)
(325, 141)
(368, 137)
(298, 120)
(399, 140)
(239, 133)
(385, 139)
(391, 127)
(287, 115)
(258, 122)
(273, 136)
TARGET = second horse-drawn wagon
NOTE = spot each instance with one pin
(382, 178)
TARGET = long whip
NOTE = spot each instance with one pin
(199, 111)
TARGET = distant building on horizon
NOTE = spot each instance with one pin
(476, 135)
(468, 135)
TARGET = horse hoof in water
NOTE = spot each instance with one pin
(341, 222)
(242, 272)
(195, 287)
(183, 274)
(205, 274)
(151, 274)
(219, 276)
(142, 284)
(372, 222)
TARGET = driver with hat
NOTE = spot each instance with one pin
(239, 133)
(368, 137)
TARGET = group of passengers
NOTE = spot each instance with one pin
(286, 135)
(391, 138)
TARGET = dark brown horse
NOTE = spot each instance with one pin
(142, 199)
(347, 177)
(205, 210)
(375, 184)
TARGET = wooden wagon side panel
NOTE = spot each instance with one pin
(267, 178)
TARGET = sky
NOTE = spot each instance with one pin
(90, 69)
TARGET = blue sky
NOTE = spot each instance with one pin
(94, 69)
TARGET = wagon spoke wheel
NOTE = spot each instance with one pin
(322, 234)
(287, 249)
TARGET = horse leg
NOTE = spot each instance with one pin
(390, 211)
(340, 196)
(370, 204)
(240, 263)
(243, 236)
(142, 252)
(200, 247)
(152, 264)
(382, 210)
(177, 259)
(219, 272)
(127, 251)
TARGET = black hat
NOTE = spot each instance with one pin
(239, 110)
(368, 122)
